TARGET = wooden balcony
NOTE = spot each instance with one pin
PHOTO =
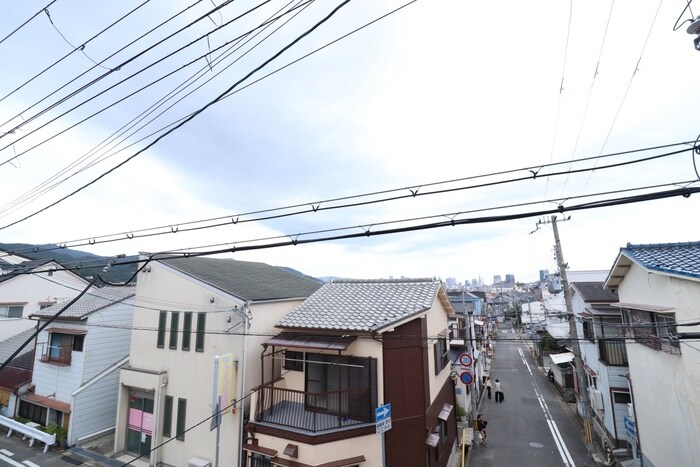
(314, 413)
(56, 354)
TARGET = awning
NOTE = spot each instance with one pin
(338, 463)
(589, 370)
(311, 341)
(637, 306)
(259, 449)
(74, 332)
(48, 402)
(478, 322)
(445, 412)
(559, 358)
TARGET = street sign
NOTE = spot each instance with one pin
(382, 415)
(630, 427)
(465, 360)
(466, 377)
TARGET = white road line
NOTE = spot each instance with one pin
(553, 429)
(30, 464)
(6, 452)
(10, 461)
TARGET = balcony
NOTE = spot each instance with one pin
(613, 352)
(56, 354)
(666, 344)
(314, 413)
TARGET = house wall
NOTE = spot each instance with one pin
(34, 288)
(58, 380)
(190, 373)
(108, 338)
(664, 386)
(95, 408)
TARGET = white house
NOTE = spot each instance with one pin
(339, 359)
(201, 311)
(78, 355)
(28, 286)
(604, 356)
(658, 287)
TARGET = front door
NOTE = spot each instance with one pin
(140, 429)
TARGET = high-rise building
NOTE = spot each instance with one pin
(497, 279)
(510, 279)
(543, 275)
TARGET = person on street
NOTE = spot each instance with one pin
(481, 427)
(488, 387)
(498, 388)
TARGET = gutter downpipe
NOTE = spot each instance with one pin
(247, 318)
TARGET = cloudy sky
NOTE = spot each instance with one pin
(482, 109)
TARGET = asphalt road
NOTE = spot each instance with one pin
(533, 426)
(16, 452)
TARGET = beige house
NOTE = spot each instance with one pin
(349, 350)
(658, 287)
(193, 313)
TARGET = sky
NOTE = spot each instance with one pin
(443, 110)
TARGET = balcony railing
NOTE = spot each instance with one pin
(58, 354)
(314, 412)
(666, 344)
(613, 352)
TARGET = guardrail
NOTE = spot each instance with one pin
(28, 431)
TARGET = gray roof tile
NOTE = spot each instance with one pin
(672, 258)
(246, 279)
(94, 300)
(362, 305)
(594, 292)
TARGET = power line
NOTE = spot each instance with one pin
(27, 21)
(75, 49)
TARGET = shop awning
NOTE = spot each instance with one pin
(74, 332)
(559, 358)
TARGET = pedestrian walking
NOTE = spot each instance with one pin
(488, 387)
(498, 388)
(481, 427)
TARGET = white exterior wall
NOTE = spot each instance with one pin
(368, 446)
(104, 346)
(33, 288)
(189, 374)
(58, 380)
(95, 408)
(437, 322)
(665, 386)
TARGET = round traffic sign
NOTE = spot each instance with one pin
(465, 360)
(466, 377)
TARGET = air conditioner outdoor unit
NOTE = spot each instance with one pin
(197, 462)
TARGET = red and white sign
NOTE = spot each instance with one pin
(465, 360)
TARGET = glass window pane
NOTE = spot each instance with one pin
(174, 327)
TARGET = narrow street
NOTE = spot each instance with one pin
(533, 426)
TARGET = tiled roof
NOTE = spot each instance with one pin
(593, 292)
(363, 305)
(94, 300)
(9, 345)
(672, 258)
(245, 279)
(10, 377)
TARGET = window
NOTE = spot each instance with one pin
(174, 324)
(78, 342)
(201, 325)
(654, 330)
(187, 331)
(162, 319)
(168, 416)
(588, 332)
(181, 413)
(293, 361)
(35, 413)
(258, 460)
(11, 311)
(621, 397)
(60, 346)
(441, 354)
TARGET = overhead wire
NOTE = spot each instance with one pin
(75, 49)
(312, 207)
(26, 22)
(629, 85)
(113, 69)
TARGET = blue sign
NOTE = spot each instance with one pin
(382, 412)
(466, 378)
(630, 427)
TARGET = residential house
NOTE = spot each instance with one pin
(342, 356)
(16, 376)
(28, 286)
(192, 351)
(75, 379)
(604, 356)
(658, 287)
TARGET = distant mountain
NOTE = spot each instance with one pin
(294, 271)
(84, 264)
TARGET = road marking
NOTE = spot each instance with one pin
(554, 430)
(6, 452)
(10, 461)
(30, 464)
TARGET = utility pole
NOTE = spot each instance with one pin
(580, 375)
